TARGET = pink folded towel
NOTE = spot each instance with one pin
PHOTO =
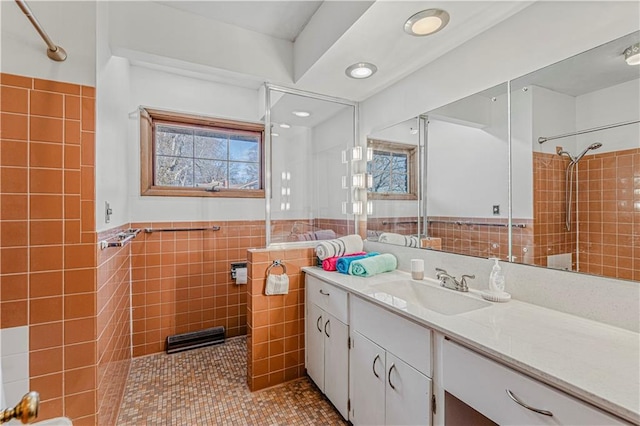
(329, 264)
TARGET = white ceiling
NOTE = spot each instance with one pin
(278, 19)
(329, 35)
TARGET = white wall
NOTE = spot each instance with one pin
(162, 90)
(70, 25)
(521, 153)
(611, 105)
(468, 166)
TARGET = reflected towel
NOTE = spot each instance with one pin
(340, 246)
(343, 263)
(373, 265)
(329, 264)
(399, 240)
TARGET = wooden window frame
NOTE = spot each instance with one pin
(147, 154)
(412, 159)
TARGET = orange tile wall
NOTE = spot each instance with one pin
(181, 281)
(609, 214)
(112, 326)
(47, 237)
(275, 333)
(483, 238)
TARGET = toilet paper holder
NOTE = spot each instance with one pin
(235, 266)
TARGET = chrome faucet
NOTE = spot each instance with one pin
(451, 282)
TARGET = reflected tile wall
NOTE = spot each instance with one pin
(47, 238)
(275, 334)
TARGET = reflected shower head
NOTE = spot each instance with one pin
(594, 145)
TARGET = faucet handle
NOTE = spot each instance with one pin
(463, 279)
(440, 271)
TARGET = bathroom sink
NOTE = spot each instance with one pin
(403, 293)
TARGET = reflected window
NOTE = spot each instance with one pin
(393, 170)
(195, 156)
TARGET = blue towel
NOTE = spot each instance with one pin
(342, 265)
(375, 265)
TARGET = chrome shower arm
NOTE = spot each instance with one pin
(54, 52)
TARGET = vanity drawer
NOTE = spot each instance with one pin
(405, 339)
(328, 297)
(483, 384)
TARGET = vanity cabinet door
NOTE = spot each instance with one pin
(314, 323)
(336, 362)
(408, 394)
(368, 380)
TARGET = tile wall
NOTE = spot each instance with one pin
(398, 225)
(47, 238)
(275, 324)
(181, 281)
(609, 214)
(484, 237)
(112, 326)
(295, 230)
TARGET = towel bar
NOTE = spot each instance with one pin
(275, 263)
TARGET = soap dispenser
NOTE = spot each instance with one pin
(496, 291)
(496, 279)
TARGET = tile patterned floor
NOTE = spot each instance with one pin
(207, 386)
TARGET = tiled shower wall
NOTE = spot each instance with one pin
(607, 233)
(181, 281)
(275, 334)
(112, 326)
(47, 242)
(609, 214)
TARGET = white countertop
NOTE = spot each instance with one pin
(596, 362)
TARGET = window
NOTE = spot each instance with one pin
(184, 155)
(394, 171)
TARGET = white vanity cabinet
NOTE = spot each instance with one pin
(327, 341)
(390, 365)
(509, 397)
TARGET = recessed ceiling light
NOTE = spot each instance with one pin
(285, 125)
(413, 131)
(301, 113)
(632, 54)
(274, 134)
(426, 22)
(361, 70)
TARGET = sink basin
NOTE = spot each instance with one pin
(403, 293)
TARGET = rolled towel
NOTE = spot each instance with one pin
(342, 265)
(325, 234)
(399, 240)
(339, 247)
(329, 264)
(373, 265)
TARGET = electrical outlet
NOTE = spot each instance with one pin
(496, 209)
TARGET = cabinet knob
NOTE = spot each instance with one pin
(528, 407)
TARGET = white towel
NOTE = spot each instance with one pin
(340, 246)
(399, 240)
(277, 284)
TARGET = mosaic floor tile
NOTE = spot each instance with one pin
(207, 386)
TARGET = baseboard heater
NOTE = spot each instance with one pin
(195, 339)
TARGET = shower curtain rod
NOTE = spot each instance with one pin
(543, 139)
(54, 52)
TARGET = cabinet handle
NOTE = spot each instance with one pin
(528, 407)
(325, 327)
(373, 367)
(389, 376)
(318, 323)
(324, 293)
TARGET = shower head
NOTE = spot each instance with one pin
(594, 145)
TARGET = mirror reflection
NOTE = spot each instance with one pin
(467, 167)
(307, 137)
(394, 191)
(576, 163)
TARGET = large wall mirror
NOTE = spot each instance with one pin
(575, 168)
(308, 134)
(576, 162)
